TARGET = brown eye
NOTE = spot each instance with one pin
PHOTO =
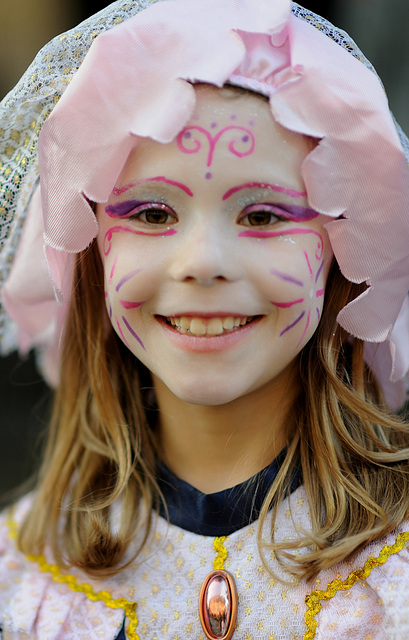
(154, 213)
(260, 215)
(156, 216)
(259, 218)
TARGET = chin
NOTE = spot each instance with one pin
(207, 395)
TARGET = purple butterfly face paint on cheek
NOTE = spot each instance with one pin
(301, 289)
(304, 306)
(118, 307)
(122, 309)
(140, 218)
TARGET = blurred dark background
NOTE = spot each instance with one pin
(378, 26)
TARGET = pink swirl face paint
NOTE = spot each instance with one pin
(188, 144)
(239, 169)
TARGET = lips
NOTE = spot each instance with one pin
(203, 327)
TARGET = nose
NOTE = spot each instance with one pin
(205, 255)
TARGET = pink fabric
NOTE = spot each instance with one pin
(134, 83)
(29, 297)
(129, 83)
(28, 284)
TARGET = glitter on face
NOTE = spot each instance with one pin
(264, 185)
(117, 191)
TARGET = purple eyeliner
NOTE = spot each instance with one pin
(123, 208)
(292, 212)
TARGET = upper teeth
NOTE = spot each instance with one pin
(208, 327)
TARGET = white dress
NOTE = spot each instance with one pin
(37, 602)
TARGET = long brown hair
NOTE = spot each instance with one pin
(351, 451)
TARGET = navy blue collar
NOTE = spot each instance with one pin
(221, 513)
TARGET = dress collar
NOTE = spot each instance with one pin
(221, 513)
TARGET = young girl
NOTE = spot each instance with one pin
(223, 210)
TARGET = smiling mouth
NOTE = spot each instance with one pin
(203, 327)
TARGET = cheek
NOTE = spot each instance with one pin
(126, 288)
(296, 280)
(130, 264)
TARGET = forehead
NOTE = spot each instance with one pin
(223, 117)
(232, 103)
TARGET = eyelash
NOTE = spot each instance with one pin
(157, 207)
(263, 208)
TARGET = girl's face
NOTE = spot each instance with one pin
(215, 267)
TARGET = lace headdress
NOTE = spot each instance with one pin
(138, 62)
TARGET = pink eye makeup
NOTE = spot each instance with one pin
(148, 212)
(265, 213)
(119, 229)
(117, 191)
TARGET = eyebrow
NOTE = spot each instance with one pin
(265, 185)
(117, 191)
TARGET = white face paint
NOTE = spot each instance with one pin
(215, 267)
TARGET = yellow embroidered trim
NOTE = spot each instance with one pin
(218, 546)
(71, 581)
(313, 599)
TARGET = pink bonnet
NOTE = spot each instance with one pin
(135, 81)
